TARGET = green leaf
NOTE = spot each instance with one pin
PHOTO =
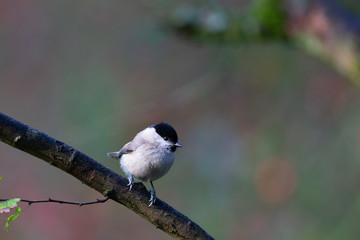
(13, 217)
(7, 205)
(0, 177)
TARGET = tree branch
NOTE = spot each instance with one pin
(98, 177)
(50, 200)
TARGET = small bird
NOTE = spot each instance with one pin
(149, 155)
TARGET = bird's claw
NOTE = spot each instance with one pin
(153, 195)
(131, 183)
(152, 198)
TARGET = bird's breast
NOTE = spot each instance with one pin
(147, 164)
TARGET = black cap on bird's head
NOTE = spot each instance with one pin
(167, 132)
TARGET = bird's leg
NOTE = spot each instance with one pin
(153, 194)
(131, 182)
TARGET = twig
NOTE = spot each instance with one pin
(50, 200)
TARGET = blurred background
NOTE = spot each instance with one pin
(270, 134)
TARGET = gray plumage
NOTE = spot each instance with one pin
(149, 155)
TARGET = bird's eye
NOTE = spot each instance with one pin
(166, 138)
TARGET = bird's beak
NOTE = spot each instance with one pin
(177, 145)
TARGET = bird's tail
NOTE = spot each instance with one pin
(115, 155)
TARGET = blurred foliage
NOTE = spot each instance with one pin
(326, 30)
(6, 206)
(262, 20)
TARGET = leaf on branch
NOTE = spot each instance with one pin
(13, 217)
(9, 204)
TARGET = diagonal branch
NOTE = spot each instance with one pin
(98, 177)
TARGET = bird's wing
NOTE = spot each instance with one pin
(127, 148)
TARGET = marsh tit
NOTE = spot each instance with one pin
(149, 155)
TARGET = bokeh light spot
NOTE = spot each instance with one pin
(275, 180)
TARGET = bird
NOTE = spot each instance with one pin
(149, 156)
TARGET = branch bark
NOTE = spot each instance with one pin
(98, 177)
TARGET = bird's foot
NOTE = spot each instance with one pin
(153, 195)
(131, 183)
(152, 198)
